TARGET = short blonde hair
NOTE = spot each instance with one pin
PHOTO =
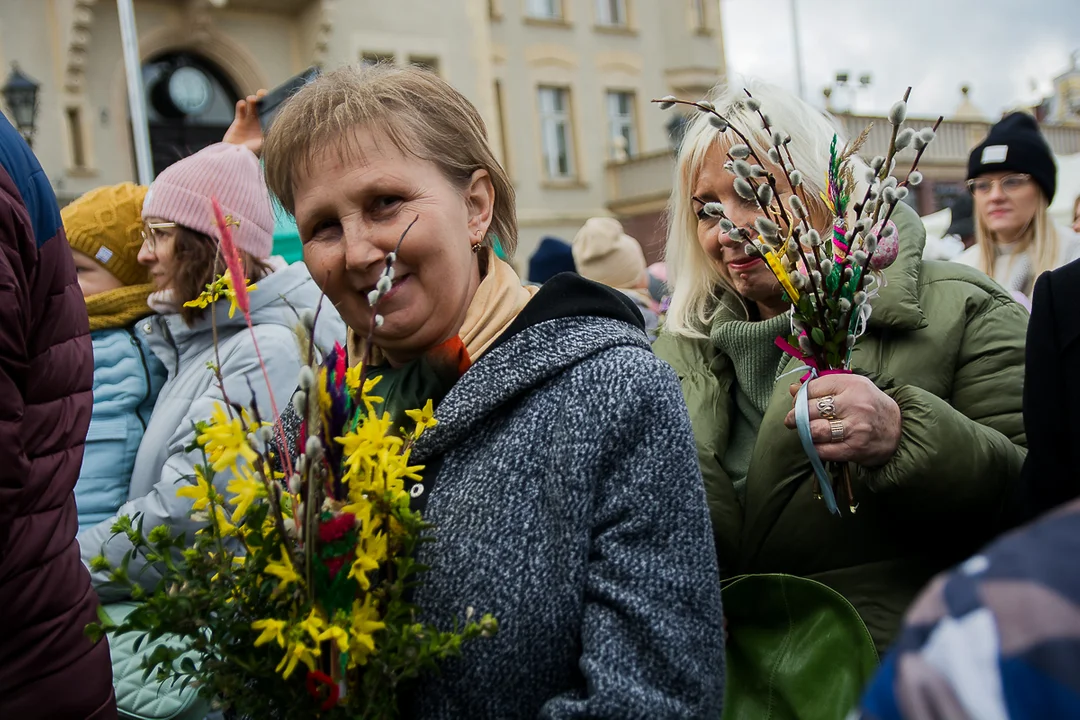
(418, 111)
(697, 286)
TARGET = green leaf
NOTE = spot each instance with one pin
(818, 336)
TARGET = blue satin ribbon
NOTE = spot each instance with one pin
(802, 423)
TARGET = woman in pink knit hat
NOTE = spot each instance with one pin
(180, 250)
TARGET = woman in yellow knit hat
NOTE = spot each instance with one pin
(104, 230)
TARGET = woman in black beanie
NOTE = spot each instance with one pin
(1012, 178)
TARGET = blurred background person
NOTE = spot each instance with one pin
(180, 250)
(995, 638)
(658, 289)
(49, 668)
(605, 254)
(958, 236)
(1012, 178)
(104, 229)
(1052, 393)
(551, 257)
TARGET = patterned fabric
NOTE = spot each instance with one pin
(569, 504)
(996, 639)
(48, 667)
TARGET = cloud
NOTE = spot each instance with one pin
(933, 45)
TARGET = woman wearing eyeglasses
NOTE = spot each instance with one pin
(1012, 178)
(180, 251)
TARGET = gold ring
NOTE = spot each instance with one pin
(826, 407)
(837, 427)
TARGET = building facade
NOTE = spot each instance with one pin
(563, 85)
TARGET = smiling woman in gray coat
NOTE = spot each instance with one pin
(561, 477)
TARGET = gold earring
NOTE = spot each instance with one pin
(476, 247)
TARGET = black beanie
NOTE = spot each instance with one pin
(1015, 143)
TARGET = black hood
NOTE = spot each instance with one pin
(570, 295)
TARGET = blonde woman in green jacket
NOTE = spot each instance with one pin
(934, 431)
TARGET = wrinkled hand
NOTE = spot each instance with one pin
(871, 420)
(245, 129)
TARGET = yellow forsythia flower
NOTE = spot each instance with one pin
(313, 624)
(245, 488)
(283, 570)
(271, 631)
(199, 492)
(296, 652)
(424, 418)
(339, 636)
(225, 440)
(363, 623)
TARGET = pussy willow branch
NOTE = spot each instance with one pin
(884, 171)
(919, 153)
(712, 111)
(772, 180)
(788, 220)
(374, 311)
(888, 215)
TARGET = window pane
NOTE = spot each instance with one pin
(555, 132)
(545, 8)
(699, 14)
(370, 58)
(611, 12)
(621, 122)
(428, 63)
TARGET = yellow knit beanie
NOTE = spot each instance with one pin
(105, 224)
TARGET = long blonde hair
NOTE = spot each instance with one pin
(697, 286)
(1040, 238)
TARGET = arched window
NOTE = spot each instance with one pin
(189, 105)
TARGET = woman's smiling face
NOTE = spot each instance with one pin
(750, 276)
(351, 209)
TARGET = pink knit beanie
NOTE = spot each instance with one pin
(231, 173)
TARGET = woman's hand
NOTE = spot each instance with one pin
(245, 129)
(870, 420)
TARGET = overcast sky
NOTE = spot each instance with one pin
(998, 47)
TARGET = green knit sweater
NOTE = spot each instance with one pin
(752, 350)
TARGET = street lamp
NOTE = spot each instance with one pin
(21, 95)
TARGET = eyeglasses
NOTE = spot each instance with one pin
(150, 231)
(1009, 184)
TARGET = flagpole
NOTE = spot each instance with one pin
(798, 51)
(136, 97)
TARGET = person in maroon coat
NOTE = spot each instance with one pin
(48, 667)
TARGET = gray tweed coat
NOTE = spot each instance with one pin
(568, 503)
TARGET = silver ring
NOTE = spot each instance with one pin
(837, 427)
(827, 408)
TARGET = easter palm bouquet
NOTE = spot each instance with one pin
(831, 278)
(293, 601)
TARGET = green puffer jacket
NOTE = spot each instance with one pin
(947, 344)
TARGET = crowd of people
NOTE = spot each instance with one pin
(620, 481)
